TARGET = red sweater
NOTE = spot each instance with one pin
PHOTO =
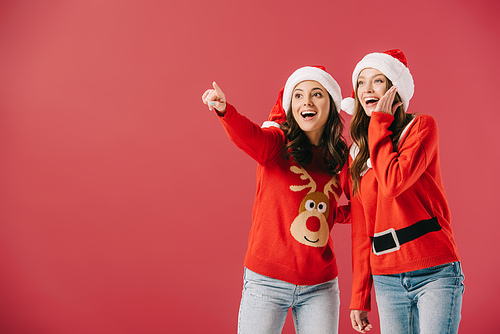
(400, 189)
(294, 209)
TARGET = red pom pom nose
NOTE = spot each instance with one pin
(313, 224)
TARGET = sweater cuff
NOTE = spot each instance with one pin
(359, 308)
(230, 109)
(381, 117)
(362, 304)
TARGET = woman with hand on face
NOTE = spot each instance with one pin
(290, 261)
(401, 234)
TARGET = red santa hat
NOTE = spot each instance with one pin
(315, 73)
(277, 114)
(393, 65)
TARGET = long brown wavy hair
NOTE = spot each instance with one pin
(358, 131)
(335, 150)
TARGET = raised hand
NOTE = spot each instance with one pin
(215, 98)
(386, 103)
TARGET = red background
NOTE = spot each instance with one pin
(124, 208)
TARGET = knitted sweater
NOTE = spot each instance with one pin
(401, 188)
(294, 209)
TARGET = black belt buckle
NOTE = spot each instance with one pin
(391, 240)
(387, 234)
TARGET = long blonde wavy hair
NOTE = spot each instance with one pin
(358, 131)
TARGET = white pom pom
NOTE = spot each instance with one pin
(348, 105)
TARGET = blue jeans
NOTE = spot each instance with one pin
(265, 302)
(422, 301)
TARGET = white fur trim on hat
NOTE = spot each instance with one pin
(268, 124)
(315, 74)
(347, 105)
(393, 69)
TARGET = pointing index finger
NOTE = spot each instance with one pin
(218, 90)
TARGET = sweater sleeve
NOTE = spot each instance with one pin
(398, 171)
(361, 248)
(260, 144)
(343, 215)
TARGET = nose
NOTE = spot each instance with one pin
(308, 102)
(369, 87)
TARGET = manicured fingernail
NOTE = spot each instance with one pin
(212, 103)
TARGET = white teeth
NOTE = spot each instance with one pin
(307, 114)
(371, 100)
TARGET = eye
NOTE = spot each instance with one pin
(318, 94)
(310, 205)
(360, 83)
(322, 207)
(379, 81)
(297, 95)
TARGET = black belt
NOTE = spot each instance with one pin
(390, 240)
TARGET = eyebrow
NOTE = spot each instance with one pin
(373, 76)
(296, 89)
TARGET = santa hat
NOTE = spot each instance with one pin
(277, 114)
(393, 65)
(315, 73)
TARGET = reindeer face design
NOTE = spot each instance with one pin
(310, 227)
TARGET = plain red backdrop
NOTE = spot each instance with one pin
(124, 208)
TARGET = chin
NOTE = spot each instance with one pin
(368, 112)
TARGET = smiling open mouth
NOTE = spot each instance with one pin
(308, 114)
(371, 101)
(311, 240)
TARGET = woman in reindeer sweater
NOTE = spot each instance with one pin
(401, 234)
(290, 261)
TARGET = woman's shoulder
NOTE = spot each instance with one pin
(422, 126)
(276, 133)
(425, 120)
(421, 123)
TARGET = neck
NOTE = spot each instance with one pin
(314, 139)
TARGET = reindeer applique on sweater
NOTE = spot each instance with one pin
(311, 227)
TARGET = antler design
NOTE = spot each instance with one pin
(329, 187)
(304, 176)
